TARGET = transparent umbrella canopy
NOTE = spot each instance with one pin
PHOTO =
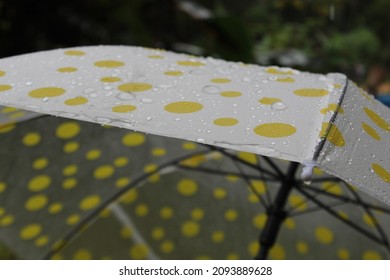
(317, 120)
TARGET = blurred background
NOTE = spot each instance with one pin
(348, 36)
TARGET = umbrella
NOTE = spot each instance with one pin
(223, 104)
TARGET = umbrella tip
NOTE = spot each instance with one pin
(307, 171)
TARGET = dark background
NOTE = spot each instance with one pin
(349, 36)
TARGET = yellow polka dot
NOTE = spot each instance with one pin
(41, 241)
(67, 69)
(190, 146)
(2, 211)
(31, 139)
(129, 197)
(269, 100)
(167, 247)
(39, 183)
(73, 219)
(139, 252)
(275, 130)
(276, 71)
(155, 56)
(123, 108)
(285, 80)
(69, 183)
(277, 252)
(219, 193)
(82, 254)
(259, 186)
(343, 254)
(46, 92)
(381, 172)
(173, 73)
(2, 73)
(159, 152)
(40, 163)
(371, 255)
(93, 154)
(17, 115)
(232, 256)
(79, 100)
(190, 229)
(122, 182)
(378, 120)
(190, 63)
(302, 247)
(90, 202)
(197, 214)
(370, 131)
(36, 202)
(141, 210)
(217, 236)
(253, 248)
(369, 220)
(158, 233)
(337, 86)
(6, 220)
(4, 128)
(30, 231)
(166, 212)
(71, 147)
(333, 134)
(332, 188)
(187, 187)
(74, 53)
(220, 80)
(126, 233)
(231, 94)
(135, 87)
(68, 130)
(311, 92)
(70, 170)
(133, 139)
(225, 121)
(150, 168)
(289, 223)
(297, 202)
(55, 208)
(3, 186)
(110, 79)
(5, 87)
(232, 178)
(183, 107)
(324, 235)
(259, 220)
(193, 161)
(248, 157)
(231, 215)
(103, 172)
(109, 63)
(121, 161)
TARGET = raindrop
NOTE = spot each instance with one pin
(147, 100)
(102, 120)
(107, 88)
(125, 96)
(327, 158)
(272, 78)
(278, 106)
(197, 72)
(211, 89)
(88, 90)
(93, 95)
(45, 99)
(235, 105)
(149, 118)
(246, 79)
(201, 140)
(177, 119)
(28, 83)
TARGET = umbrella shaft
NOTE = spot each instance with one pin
(276, 213)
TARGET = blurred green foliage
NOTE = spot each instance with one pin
(322, 36)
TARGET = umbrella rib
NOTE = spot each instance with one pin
(314, 209)
(250, 185)
(340, 218)
(70, 235)
(371, 215)
(244, 162)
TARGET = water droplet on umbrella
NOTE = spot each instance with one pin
(201, 140)
(235, 105)
(211, 89)
(197, 72)
(146, 100)
(177, 119)
(278, 106)
(107, 88)
(88, 90)
(29, 83)
(246, 79)
(45, 99)
(149, 118)
(125, 96)
(272, 78)
(102, 120)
